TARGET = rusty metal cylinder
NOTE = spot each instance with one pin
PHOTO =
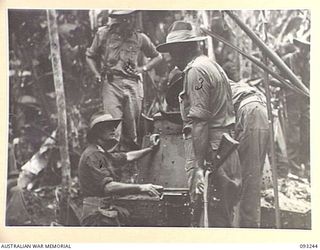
(166, 165)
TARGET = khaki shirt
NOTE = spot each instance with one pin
(114, 51)
(241, 90)
(206, 94)
(97, 168)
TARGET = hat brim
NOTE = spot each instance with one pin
(167, 47)
(122, 13)
(92, 133)
(110, 123)
(103, 118)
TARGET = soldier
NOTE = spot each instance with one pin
(252, 132)
(113, 58)
(99, 173)
(298, 110)
(207, 111)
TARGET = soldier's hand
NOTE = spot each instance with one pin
(199, 181)
(150, 189)
(98, 78)
(139, 70)
(155, 141)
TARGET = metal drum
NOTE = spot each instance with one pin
(165, 166)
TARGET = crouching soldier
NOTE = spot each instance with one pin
(100, 172)
(252, 132)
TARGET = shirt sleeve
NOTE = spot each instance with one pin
(199, 93)
(92, 51)
(100, 173)
(148, 47)
(119, 158)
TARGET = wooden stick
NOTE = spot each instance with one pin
(271, 136)
(269, 53)
(255, 61)
(61, 108)
(206, 23)
(205, 199)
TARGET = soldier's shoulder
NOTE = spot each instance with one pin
(201, 60)
(197, 63)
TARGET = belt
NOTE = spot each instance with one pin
(226, 129)
(251, 98)
(119, 74)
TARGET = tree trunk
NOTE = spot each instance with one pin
(206, 22)
(272, 137)
(62, 115)
(244, 44)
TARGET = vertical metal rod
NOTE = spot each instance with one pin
(271, 133)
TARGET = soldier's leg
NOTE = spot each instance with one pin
(293, 133)
(132, 103)
(252, 151)
(196, 200)
(112, 97)
(133, 96)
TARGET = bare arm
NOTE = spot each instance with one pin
(128, 188)
(153, 62)
(93, 67)
(137, 154)
(150, 65)
(200, 139)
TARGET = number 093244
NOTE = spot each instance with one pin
(308, 246)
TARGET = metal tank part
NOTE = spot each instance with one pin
(165, 166)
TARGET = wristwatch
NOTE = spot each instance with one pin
(144, 68)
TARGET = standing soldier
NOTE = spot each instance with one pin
(298, 109)
(113, 58)
(252, 132)
(207, 111)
